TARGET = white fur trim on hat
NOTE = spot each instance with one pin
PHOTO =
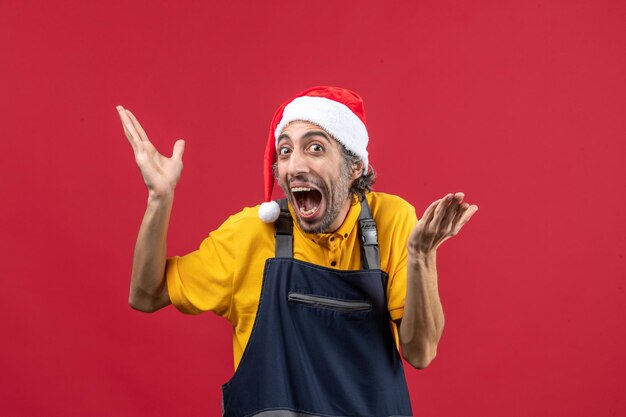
(334, 117)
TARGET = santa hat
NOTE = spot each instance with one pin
(338, 111)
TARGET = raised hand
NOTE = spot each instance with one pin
(161, 174)
(441, 220)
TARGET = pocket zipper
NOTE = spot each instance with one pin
(332, 303)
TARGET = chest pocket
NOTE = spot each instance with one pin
(317, 301)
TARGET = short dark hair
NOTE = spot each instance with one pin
(362, 185)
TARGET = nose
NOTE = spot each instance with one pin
(297, 164)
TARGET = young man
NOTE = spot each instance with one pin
(314, 286)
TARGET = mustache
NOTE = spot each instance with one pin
(311, 179)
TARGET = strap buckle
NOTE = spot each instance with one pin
(369, 235)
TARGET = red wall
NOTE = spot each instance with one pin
(519, 104)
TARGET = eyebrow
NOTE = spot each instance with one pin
(308, 135)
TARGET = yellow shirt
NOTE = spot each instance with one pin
(225, 273)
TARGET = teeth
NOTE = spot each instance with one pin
(308, 212)
(300, 189)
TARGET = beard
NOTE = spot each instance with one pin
(334, 195)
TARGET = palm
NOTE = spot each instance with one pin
(160, 173)
(441, 220)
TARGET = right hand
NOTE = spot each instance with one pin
(161, 174)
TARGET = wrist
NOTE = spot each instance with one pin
(160, 199)
(422, 258)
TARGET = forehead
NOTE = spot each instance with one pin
(299, 128)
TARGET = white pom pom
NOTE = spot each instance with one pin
(269, 212)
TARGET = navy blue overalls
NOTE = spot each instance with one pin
(322, 343)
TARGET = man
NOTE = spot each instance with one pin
(314, 303)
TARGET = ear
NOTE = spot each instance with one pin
(357, 170)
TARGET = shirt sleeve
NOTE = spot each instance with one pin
(203, 279)
(398, 227)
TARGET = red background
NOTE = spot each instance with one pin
(520, 104)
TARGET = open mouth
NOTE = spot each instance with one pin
(307, 200)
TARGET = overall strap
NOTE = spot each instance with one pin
(370, 255)
(283, 231)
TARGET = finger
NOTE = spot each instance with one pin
(452, 212)
(440, 211)
(142, 133)
(457, 218)
(428, 214)
(179, 148)
(464, 218)
(131, 133)
(134, 143)
(130, 139)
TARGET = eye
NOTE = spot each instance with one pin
(283, 150)
(316, 147)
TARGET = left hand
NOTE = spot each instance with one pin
(441, 220)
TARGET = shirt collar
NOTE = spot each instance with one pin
(347, 227)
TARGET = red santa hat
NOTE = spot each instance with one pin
(337, 110)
